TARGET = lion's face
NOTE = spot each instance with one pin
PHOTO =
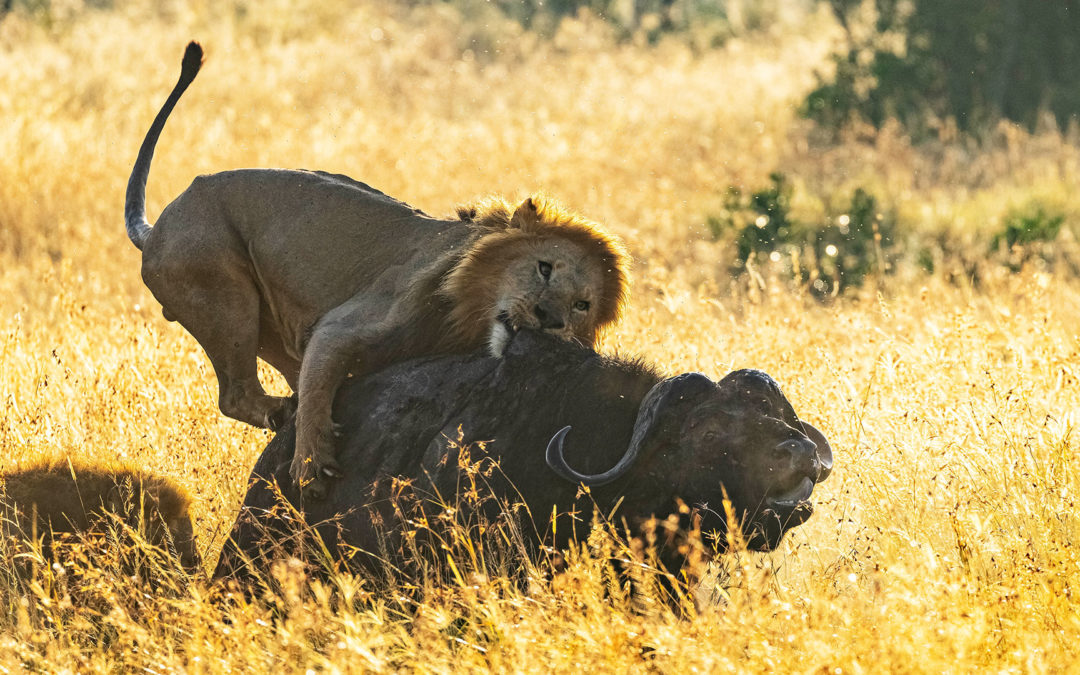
(551, 285)
(537, 267)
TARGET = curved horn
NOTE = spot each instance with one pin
(662, 395)
(557, 461)
(824, 450)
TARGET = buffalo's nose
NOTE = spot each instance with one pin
(548, 320)
(803, 455)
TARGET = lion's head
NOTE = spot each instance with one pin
(539, 267)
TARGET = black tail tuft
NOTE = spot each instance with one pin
(193, 59)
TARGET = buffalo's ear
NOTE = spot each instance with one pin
(526, 216)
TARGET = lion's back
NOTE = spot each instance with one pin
(312, 239)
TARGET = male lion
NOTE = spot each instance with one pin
(321, 276)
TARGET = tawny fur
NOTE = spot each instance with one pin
(322, 276)
(61, 496)
(474, 287)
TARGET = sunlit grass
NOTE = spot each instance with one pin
(945, 539)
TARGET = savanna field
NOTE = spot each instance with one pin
(947, 379)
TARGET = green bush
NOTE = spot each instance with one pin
(841, 251)
(1027, 234)
(1028, 225)
(852, 244)
(762, 219)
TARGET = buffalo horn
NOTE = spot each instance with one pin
(824, 450)
(660, 397)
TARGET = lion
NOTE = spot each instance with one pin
(58, 496)
(323, 276)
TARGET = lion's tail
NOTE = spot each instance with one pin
(138, 228)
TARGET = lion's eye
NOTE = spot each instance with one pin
(544, 268)
(582, 305)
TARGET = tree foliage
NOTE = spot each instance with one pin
(974, 61)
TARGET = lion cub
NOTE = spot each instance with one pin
(321, 276)
(55, 497)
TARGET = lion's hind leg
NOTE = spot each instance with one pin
(219, 305)
(272, 348)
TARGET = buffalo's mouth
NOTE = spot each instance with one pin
(780, 512)
(795, 499)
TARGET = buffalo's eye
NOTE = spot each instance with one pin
(582, 305)
(544, 268)
(710, 436)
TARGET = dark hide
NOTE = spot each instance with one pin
(697, 439)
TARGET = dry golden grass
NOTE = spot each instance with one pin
(945, 540)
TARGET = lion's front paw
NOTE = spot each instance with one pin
(312, 472)
(300, 470)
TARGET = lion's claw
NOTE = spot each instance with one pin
(313, 477)
(332, 471)
(313, 489)
(280, 416)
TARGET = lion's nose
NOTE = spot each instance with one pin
(549, 320)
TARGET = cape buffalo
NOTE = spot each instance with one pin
(554, 416)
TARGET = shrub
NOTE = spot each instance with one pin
(841, 251)
(1026, 234)
(1030, 224)
(852, 244)
(762, 220)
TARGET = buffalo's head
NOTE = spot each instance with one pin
(702, 441)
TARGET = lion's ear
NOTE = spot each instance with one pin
(526, 216)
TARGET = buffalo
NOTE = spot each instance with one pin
(554, 417)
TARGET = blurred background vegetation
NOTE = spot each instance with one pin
(930, 63)
(952, 81)
(927, 63)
